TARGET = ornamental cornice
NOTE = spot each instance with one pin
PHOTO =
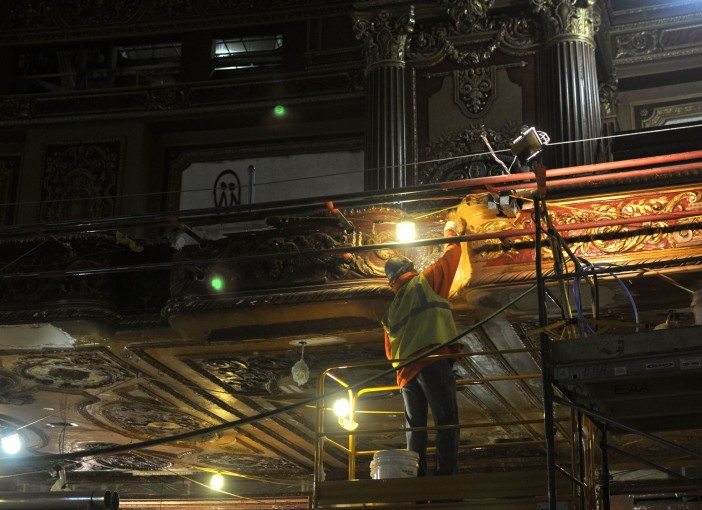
(662, 39)
(667, 22)
(179, 100)
(36, 21)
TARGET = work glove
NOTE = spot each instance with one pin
(457, 225)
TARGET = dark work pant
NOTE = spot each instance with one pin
(434, 387)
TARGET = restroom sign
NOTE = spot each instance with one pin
(227, 189)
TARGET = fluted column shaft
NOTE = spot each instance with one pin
(384, 35)
(569, 107)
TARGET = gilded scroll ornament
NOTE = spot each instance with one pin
(637, 44)
(385, 36)
(467, 13)
(432, 45)
(474, 89)
(568, 19)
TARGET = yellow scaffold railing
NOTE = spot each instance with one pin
(333, 438)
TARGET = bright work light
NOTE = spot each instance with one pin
(217, 482)
(341, 408)
(406, 231)
(11, 442)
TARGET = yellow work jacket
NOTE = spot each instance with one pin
(417, 318)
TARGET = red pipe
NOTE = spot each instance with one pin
(558, 172)
(633, 174)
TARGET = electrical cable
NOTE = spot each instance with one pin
(621, 283)
(338, 250)
(274, 412)
(335, 174)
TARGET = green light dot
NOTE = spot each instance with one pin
(217, 283)
(279, 110)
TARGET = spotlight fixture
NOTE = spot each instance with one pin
(11, 442)
(406, 231)
(217, 482)
(529, 144)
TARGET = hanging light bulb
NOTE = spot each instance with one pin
(300, 371)
(406, 231)
(217, 482)
(11, 442)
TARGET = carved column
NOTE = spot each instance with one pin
(568, 103)
(384, 35)
(609, 97)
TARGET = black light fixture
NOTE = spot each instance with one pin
(529, 144)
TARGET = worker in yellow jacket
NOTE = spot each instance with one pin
(418, 319)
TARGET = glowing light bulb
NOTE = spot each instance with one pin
(11, 443)
(341, 408)
(217, 482)
(406, 231)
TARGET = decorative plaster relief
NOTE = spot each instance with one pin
(264, 374)
(659, 39)
(96, 12)
(153, 420)
(462, 143)
(11, 392)
(512, 260)
(474, 89)
(385, 35)
(251, 464)
(568, 19)
(668, 112)
(9, 173)
(124, 461)
(73, 370)
(80, 180)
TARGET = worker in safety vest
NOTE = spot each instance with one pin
(419, 318)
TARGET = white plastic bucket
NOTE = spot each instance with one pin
(696, 306)
(394, 464)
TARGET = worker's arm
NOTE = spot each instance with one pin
(440, 274)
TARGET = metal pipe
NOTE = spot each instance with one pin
(546, 381)
(479, 425)
(594, 168)
(60, 500)
(594, 179)
(604, 472)
(621, 425)
(252, 183)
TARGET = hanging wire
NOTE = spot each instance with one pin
(348, 172)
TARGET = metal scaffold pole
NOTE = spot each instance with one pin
(546, 377)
